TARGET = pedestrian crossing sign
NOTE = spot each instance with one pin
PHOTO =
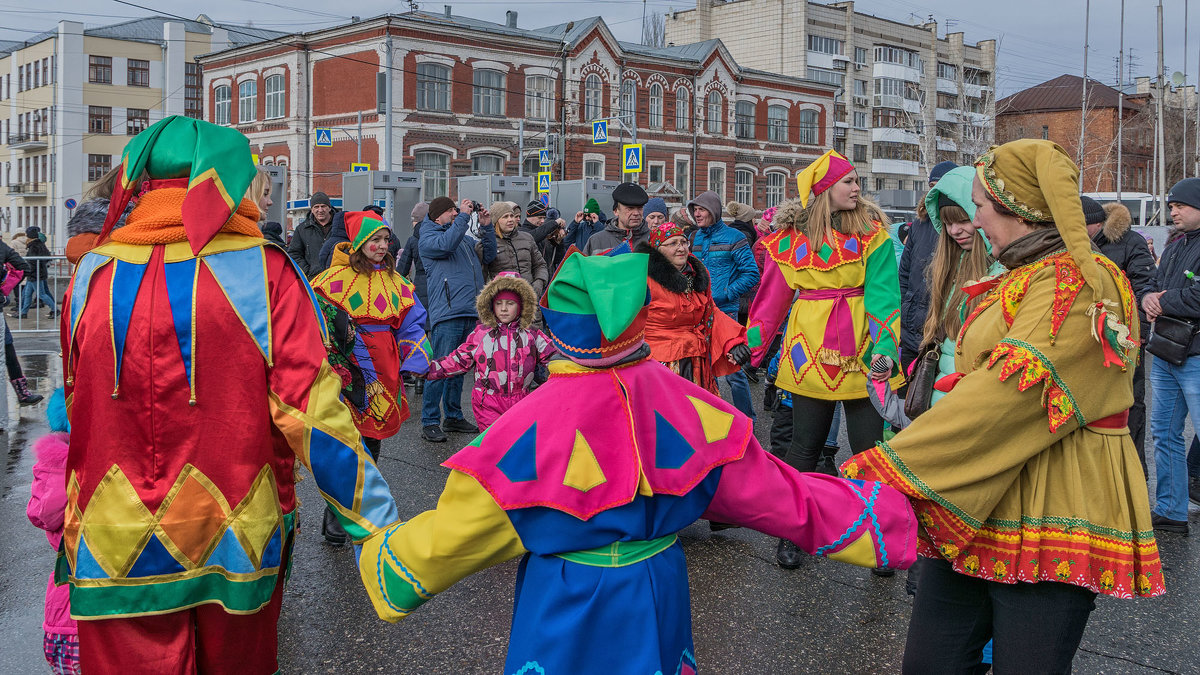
(324, 137)
(359, 167)
(544, 157)
(632, 155)
(543, 181)
(599, 132)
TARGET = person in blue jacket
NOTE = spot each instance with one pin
(731, 269)
(453, 278)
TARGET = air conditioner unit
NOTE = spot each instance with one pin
(862, 101)
(859, 66)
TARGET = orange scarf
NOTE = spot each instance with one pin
(158, 219)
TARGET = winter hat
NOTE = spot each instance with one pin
(506, 293)
(33, 232)
(741, 212)
(534, 209)
(553, 214)
(940, 170)
(318, 198)
(506, 285)
(1186, 191)
(822, 174)
(361, 226)
(420, 211)
(1092, 211)
(439, 206)
(595, 307)
(592, 206)
(709, 201)
(501, 209)
(659, 235)
(629, 194)
(655, 205)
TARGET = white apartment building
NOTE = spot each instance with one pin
(71, 97)
(907, 98)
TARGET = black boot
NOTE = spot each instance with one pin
(332, 530)
(787, 555)
(24, 396)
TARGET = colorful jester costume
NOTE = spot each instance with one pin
(195, 376)
(1025, 471)
(591, 477)
(378, 331)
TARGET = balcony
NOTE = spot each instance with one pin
(28, 141)
(27, 189)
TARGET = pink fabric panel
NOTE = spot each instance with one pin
(770, 305)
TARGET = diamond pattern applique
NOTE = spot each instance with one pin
(355, 301)
(194, 515)
(785, 243)
(335, 286)
(851, 244)
(381, 303)
(825, 252)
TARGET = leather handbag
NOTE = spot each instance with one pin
(1171, 339)
(12, 277)
(920, 383)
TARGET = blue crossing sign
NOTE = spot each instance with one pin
(543, 181)
(324, 137)
(631, 158)
(544, 157)
(599, 132)
(359, 167)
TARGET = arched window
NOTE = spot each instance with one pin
(808, 127)
(593, 97)
(276, 106)
(247, 101)
(777, 124)
(775, 188)
(628, 101)
(656, 106)
(716, 115)
(221, 104)
(683, 109)
(487, 165)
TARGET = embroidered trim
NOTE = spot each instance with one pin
(1033, 366)
(995, 187)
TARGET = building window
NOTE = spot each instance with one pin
(100, 69)
(860, 90)
(860, 153)
(593, 169)
(683, 112)
(247, 101)
(777, 117)
(860, 119)
(715, 115)
(593, 98)
(539, 97)
(716, 180)
(743, 187)
(860, 56)
(775, 183)
(947, 71)
(891, 93)
(487, 165)
(972, 76)
(139, 73)
(683, 173)
(656, 172)
(433, 87)
(193, 92)
(531, 166)
(99, 119)
(136, 120)
(904, 57)
(488, 97)
(948, 101)
(807, 129)
(825, 45)
(1045, 133)
(892, 150)
(628, 102)
(276, 105)
(221, 104)
(743, 126)
(435, 166)
(98, 165)
(825, 76)
(655, 107)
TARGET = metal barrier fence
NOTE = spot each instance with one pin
(35, 291)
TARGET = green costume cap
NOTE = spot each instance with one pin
(594, 306)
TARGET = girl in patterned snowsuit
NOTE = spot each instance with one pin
(504, 349)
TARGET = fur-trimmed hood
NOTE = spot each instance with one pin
(90, 215)
(664, 273)
(483, 303)
(1117, 222)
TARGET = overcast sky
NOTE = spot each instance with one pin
(1039, 39)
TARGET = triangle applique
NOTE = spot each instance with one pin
(519, 463)
(671, 449)
(715, 423)
(583, 471)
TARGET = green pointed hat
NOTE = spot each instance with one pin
(595, 306)
(215, 160)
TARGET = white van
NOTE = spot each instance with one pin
(1143, 206)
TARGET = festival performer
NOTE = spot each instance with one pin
(195, 375)
(377, 332)
(1024, 477)
(844, 320)
(684, 329)
(591, 477)
(504, 350)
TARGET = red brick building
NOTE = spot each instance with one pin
(1052, 110)
(462, 88)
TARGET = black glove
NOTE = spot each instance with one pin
(740, 354)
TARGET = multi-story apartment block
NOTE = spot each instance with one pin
(905, 100)
(70, 99)
(472, 97)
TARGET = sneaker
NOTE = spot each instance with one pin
(1164, 524)
(433, 433)
(1194, 490)
(459, 425)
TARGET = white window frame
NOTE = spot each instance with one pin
(247, 101)
(539, 97)
(683, 109)
(593, 97)
(436, 181)
(628, 101)
(744, 124)
(655, 106)
(276, 98)
(714, 113)
(808, 133)
(433, 80)
(743, 190)
(487, 98)
(716, 179)
(777, 124)
(222, 105)
(775, 194)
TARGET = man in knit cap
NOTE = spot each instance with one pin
(310, 236)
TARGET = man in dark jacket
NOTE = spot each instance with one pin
(454, 277)
(554, 248)
(626, 225)
(310, 236)
(914, 291)
(37, 281)
(1176, 389)
(1109, 227)
(536, 223)
(587, 222)
(410, 264)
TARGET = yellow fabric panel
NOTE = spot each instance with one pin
(583, 471)
(716, 423)
(861, 552)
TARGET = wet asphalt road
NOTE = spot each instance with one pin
(749, 615)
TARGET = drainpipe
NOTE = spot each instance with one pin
(695, 132)
(562, 111)
(308, 117)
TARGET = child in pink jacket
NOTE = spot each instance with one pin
(504, 349)
(47, 505)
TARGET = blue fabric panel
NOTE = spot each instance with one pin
(230, 555)
(377, 505)
(334, 466)
(272, 553)
(155, 559)
(126, 279)
(243, 277)
(799, 358)
(86, 566)
(519, 464)
(181, 280)
(83, 278)
(671, 449)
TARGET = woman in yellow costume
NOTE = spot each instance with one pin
(835, 257)
(1024, 477)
